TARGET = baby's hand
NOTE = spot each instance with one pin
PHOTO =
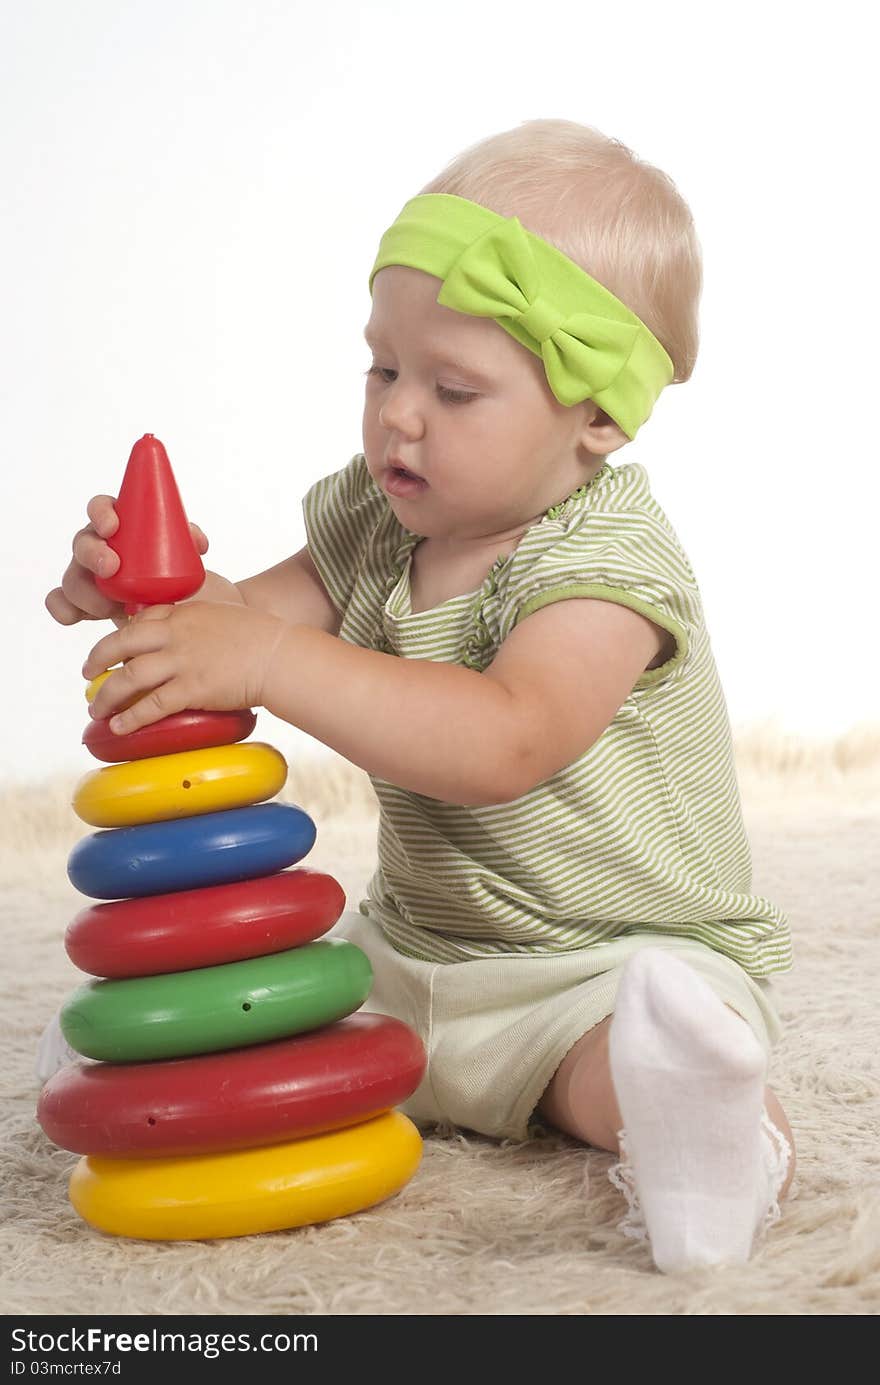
(213, 656)
(78, 598)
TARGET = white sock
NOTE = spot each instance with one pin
(700, 1160)
(54, 1052)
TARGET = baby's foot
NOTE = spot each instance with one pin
(689, 1076)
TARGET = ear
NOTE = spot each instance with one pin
(600, 434)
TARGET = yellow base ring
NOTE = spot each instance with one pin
(248, 1191)
(181, 785)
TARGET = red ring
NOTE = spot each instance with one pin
(182, 731)
(201, 928)
(339, 1075)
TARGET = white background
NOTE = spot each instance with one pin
(193, 192)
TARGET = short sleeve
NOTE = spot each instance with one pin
(341, 514)
(621, 552)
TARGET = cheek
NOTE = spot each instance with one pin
(495, 441)
(369, 428)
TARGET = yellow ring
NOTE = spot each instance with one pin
(247, 1191)
(93, 688)
(181, 785)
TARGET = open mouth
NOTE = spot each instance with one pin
(399, 481)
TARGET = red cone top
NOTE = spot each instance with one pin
(159, 561)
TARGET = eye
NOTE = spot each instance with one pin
(450, 396)
(455, 396)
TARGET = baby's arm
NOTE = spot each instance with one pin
(292, 590)
(457, 735)
(434, 728)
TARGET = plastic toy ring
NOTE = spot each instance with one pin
(181, 731)
(338, 1075)
(213, 849)
(212, 1008)
(182, 785)
(252, 1190)
(202, 928)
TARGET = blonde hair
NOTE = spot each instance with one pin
(619, 218)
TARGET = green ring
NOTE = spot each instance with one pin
(215, 1008)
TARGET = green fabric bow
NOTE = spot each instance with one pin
(591, 344)
(497, 277)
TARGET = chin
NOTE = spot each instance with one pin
(401, 512)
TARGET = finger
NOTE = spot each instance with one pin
(134, 639)
(93, 554)
(200, 537)
(95, 686)
(61, 609)
(126, 685)
(153, 613)
(161, 702)
(80, 590)
(102, 514)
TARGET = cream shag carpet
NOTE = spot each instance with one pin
(483, 1228)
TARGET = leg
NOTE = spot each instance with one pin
(580, 1098)
(581, 1101)
(683, 1076)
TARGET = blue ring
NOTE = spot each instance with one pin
(190, 853)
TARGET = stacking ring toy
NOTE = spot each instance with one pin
(244, 1192)
(201, 928)
(333, 1077)
(181, 731)
(213, 849)
(180, 785)
(213, 1008)
(94, 687)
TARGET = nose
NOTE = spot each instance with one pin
(399, 411)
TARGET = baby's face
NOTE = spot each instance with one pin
(466, 410)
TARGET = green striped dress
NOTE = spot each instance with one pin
(642, 833)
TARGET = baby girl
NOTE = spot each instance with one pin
(494, 618)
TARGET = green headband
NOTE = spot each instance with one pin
(592, 346)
